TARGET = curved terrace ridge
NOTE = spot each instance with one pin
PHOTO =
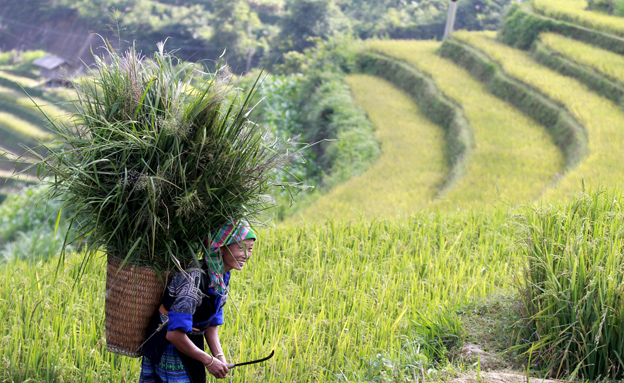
(513, 158)
(567, 133)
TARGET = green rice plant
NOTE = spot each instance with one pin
(56, 328)
(601, 118)
(158, 155)
(514, 159)
(575, 11)
(605, 62)
(328, 297)
(572, 288)
(411, 169)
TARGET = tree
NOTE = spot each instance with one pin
(233, 25)
(304, 21)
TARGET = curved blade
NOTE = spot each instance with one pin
(255, 361)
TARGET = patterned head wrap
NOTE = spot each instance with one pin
(226, 235)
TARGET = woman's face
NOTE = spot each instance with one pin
(236, 254)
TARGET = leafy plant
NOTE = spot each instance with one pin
(159, 156)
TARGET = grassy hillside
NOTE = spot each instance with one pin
(602, 119)
(409, 173)
(513, 159)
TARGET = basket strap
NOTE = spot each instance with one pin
(164, 311)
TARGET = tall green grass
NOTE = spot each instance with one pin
(409, 173)
(572, 290)
(602, 119)
(329, 298)
(514, 159)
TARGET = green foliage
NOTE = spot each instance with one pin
(304, 21)
(572, 287)
(157, 158)
(432, 102)
(28, 226)
(423, 19)
(15, 57)
(235, 29)
(252, 32)
(566, 132)
(606, 6)
(439, 335)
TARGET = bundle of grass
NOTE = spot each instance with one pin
(572, 288)
(159, 155)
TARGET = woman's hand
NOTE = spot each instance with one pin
(217, 368)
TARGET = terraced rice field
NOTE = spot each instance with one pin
(25, 81)
(23, 128)
(514, 159)
(575, 11)
(608, 63)
(35, 104)
(602, 119)
(411, 169)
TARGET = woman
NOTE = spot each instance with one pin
(191, 310)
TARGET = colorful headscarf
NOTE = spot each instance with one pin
(226, 235)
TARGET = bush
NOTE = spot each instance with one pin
(345, 142)
(572, 287)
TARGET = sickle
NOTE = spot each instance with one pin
(232, 365)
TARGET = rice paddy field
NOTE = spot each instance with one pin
(576, 12)
(373, 281)
(328, 297)
(513, 160)
(602, 118)
(411, 170)
(608, 63)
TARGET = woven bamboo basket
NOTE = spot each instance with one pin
(133, 295)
